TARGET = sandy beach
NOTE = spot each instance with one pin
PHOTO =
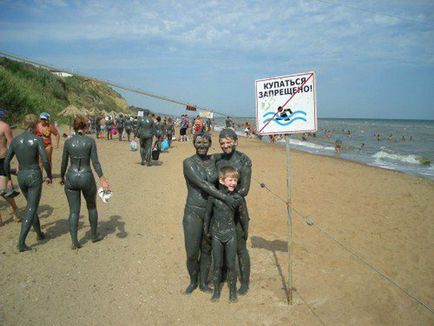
(137, 274)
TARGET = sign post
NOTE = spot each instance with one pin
(288, 209)
(287, 105)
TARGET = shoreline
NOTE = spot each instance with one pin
(283, 145)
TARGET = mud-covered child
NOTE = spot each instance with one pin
(219, 226)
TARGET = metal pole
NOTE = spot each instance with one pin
(288, 207)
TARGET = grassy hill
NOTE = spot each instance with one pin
(26, 89)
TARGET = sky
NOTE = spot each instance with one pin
(372, 59)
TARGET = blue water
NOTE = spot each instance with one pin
(402, 145)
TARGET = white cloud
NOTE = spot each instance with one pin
(301, 29)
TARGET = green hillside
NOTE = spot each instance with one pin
(26, 89)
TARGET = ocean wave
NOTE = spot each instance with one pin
(307, 144)
(409, 159)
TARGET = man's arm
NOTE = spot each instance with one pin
(7, 163)
(9, 137)
(244, 218)
(8, 134)
(245, 177)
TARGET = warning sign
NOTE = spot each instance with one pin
(286, 104)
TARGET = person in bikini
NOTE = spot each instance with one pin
(45, 129)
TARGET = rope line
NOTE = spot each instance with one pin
(343, 246)
(113, 84)
(310, 308)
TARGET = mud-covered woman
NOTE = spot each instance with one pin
(28, 148)
(80, 150)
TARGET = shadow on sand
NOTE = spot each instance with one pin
(114, 224)
(45, 211)
(273, 246)
(61, 227)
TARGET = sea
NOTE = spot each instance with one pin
(401, 145)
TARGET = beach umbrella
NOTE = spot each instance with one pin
(84, 111)
(113, 114)
(70, 111)
(103, 112)
(92, 111)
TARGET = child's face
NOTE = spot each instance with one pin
(229, 182)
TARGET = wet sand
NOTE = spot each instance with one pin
(137, 274)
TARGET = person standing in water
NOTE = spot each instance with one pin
(81, 150)
(28, 148)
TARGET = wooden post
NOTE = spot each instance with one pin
(288, 185)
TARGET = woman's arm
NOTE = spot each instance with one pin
(97, 166)
(192, 175)
(65, 157)
(208, 216)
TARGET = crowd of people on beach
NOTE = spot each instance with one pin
(215, 219)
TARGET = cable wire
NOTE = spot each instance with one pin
(113, 84)
(309, 221)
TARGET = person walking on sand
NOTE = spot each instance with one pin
(170, 129)
(5, 140)
(120, 125)
(158, 133)
(109, 126)
(80, 150)
(128, 127)
(45, 129)
(183, 128)
(145, 133)
(29, 148)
